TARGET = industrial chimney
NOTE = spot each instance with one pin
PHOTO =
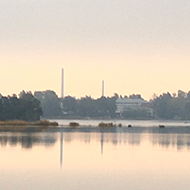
(103, 88)
(62, 83)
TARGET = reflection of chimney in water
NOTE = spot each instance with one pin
(102, 143)
(61, 149)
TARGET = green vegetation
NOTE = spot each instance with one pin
(74, 124)
(102, 124)
(165, 106)
(18, 125)
(46, 104)
(24, 123)
(87, 107)
(26, 107)
(50, 103)
(176, 106)
(14, 122)
(70, 107)
(46, 123)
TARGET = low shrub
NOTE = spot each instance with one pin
(102, 124)
(74, 124)
(46, 123)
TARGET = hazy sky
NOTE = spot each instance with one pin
(136, 46)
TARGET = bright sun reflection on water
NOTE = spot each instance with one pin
(99, 160)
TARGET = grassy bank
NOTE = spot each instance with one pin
(24, 123)
(20, 122)
(23, 126)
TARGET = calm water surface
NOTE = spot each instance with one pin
(142, 123)
(74, 159)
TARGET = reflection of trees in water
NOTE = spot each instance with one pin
(164, 139)
(171, 140)
(27, 140)
(82, 137)
(133, 138)
(125, 138)
(114, 138)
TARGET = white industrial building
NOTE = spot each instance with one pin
(125, 104)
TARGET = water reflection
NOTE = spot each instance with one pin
(178, 141)
(61, 149)
(164, 138)
(167, 138)
(102, 143)
(104, 159)
(27, 140)
(178, 138)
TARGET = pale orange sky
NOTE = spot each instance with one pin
(134, 46)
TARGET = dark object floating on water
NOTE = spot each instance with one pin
(161, 126)
(120, 125)
(129, 125)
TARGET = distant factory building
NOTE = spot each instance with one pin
(133, 104)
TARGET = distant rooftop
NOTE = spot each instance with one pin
(131, 100)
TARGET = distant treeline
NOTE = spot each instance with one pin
(70, 107)
(47, 104)
(172, 106)
(26, 107)
(165, 106)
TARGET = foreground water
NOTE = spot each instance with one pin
(138, 158)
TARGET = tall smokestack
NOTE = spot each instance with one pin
(103, 88)
(62, 83)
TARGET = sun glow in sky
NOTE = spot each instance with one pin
(134, 46)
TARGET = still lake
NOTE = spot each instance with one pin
(143, 157)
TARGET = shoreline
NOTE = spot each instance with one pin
(23, 126)
(25, 123)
